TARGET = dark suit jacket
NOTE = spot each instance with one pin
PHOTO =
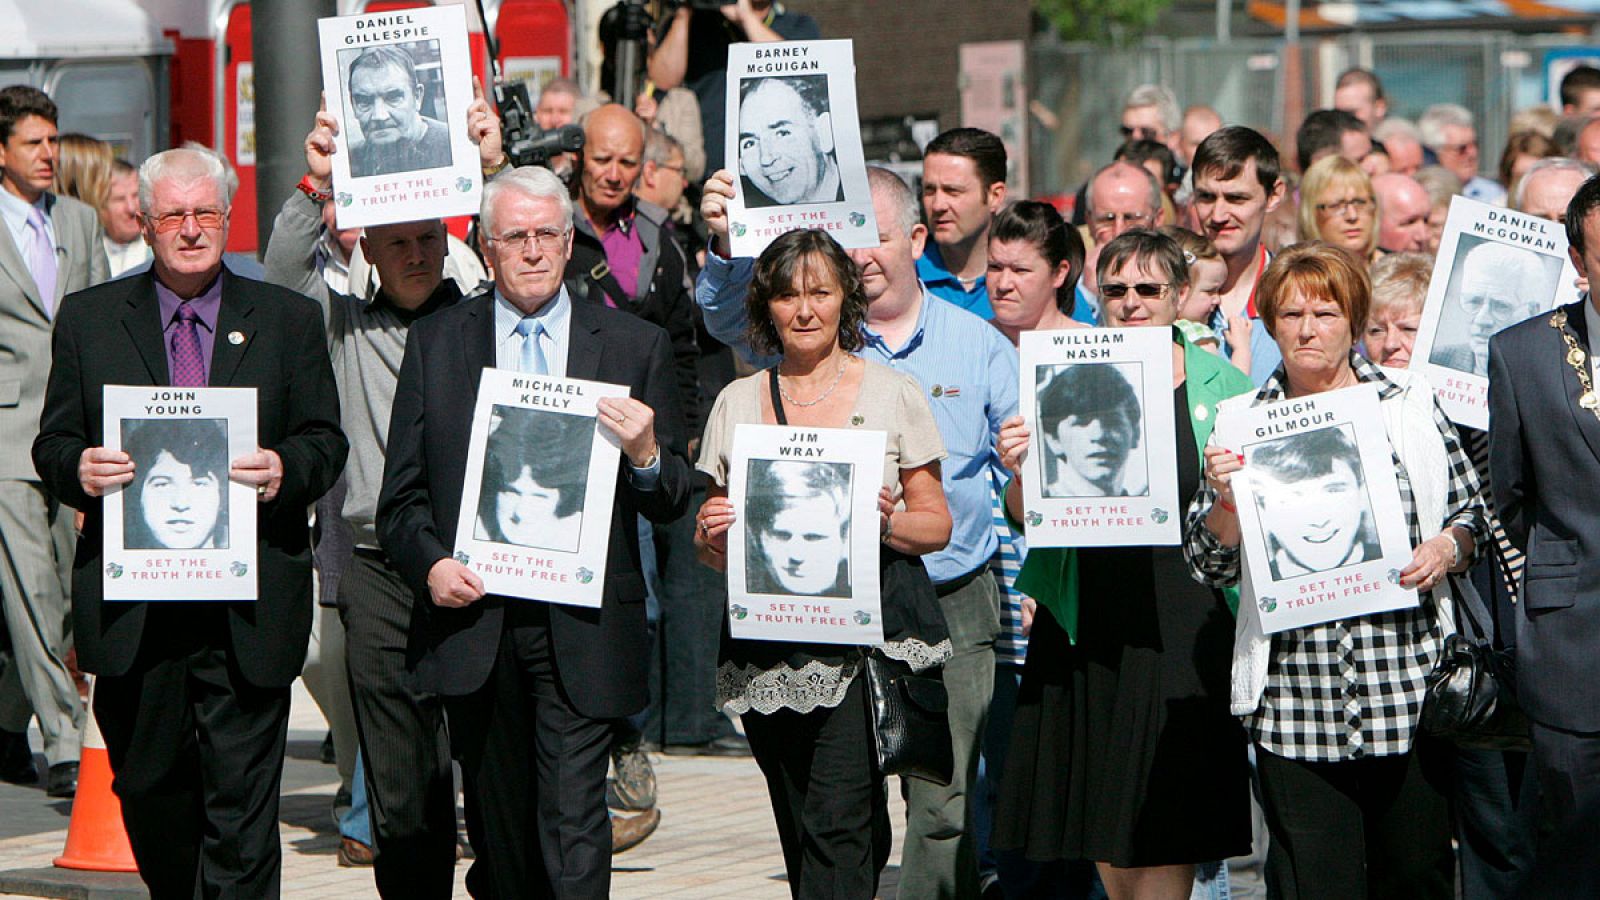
(112, 334)
(1544, 468)
(600, 653)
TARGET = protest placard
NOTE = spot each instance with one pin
(1324, 534)
(1101, 470)
(803, 551)
(400, 82)
(181, 530)
(794, 141)
(535, 518)
(1495, 268)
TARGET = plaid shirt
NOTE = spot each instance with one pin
(1351, 688)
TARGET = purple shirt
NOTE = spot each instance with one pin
(624, 250)
(208, 304)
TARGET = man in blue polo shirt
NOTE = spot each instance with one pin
(969, 372)
(963, 186)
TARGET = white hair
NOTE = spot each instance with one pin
(1395, 127)
(530, 181)
(187, 163)
(907, 209)
(1162, 98)
(1436, 118)
(1583, 170)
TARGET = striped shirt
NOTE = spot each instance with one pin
(1011, 646)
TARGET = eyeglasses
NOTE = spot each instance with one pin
(1458, 148)
(1110, 220)
(547, 239)
(1147, 290)
(206, 217)
(1143, 133)
(1340, 207)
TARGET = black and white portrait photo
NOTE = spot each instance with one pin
(1492, 285)
(1091, 430)
(786, 142)
(1311, 496)
(395, 96)
(535, 479)
(797, 528)
(178, 499)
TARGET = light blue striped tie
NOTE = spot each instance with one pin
(532, 362)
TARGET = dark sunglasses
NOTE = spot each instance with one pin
(1147, 290)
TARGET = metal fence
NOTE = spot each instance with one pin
(1078, 89)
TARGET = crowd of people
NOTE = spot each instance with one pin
(1120, 725)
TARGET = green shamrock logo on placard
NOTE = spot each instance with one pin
(738, 612)
(1267, 604)
(345, 199)
(1394, 576)
(863, 617)
(584, 575)
(463, 184)
(857, 219)
(1159, 515)
(462, 558)
(114, 570)
(1033, 518)
(238, 567)
(738, 229)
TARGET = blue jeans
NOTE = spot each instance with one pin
(356, 822)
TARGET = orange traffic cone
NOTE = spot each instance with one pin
(96, 839)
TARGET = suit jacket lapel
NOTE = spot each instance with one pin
(1588, 424)
(477, 341)
(232, 319)
(12, 263)
(584, 345)
(142, 320)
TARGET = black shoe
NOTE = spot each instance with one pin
(16, 759)
(62, 780)
(731, 745)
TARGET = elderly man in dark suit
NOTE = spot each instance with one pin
(1544, 464)
(193, 697)
(50, 247)
(531, 689)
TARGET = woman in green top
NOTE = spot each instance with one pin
(1123, 751)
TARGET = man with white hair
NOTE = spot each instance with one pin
(1120, 198)
(1150, 112)
(1549, 185)
(532, 689)
(1448, 130)
(1500, 285)
(193, 696)
(1402, 141)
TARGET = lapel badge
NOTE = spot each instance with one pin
(1200, 411)
(236, 338)
(856, 419)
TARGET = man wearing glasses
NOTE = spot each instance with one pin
(1150, 112)
(532, 689)
(193, 696)
(1448, 130)
(51, 247)
(1120, 198)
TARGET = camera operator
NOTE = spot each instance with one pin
(693, 52)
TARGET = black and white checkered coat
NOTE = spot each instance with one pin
(1351, 688)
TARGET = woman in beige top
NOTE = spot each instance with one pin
(804, 705)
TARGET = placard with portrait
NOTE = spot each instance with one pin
(1101, 469)
(1495, 268)
(180, 530)
(535, 518)
(400, 82)
(803, 549)
(794, 144)
(1324, 533)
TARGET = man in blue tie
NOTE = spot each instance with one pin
(51, 246)
(532, 689)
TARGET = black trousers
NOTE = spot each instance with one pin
(830, 801)
(409, 785)
(534, 770)
(1377, 827)
(197, 753)
(1568, 766)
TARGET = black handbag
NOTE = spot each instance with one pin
(1471, 696)
(910, 721)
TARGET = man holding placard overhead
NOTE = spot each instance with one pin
(531, 688)
(193, 697)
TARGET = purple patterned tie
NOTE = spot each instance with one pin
(188, 366)
(42, 260)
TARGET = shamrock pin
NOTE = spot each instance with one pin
(114, 570)
(1033, 518)
(345, 199)
(239, 568)
(863, 617)
(739, 612)
(1159, 515)
(1267, 604)
(857, 219)
(462, 557)
(584, 575)
(463, 184)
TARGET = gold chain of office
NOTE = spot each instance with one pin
(1578, 359)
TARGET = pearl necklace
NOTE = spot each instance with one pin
(838, 376)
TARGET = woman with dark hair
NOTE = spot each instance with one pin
(535, 477)
(1353, 796)
(178, 499)
(1035, 259)
(798, 539)
(1123, 751)
(804, 705)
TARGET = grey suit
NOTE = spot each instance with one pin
(36, 532)
(1544, 466)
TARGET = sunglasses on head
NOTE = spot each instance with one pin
(1145, 289)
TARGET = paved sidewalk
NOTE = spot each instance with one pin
(716, 837)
